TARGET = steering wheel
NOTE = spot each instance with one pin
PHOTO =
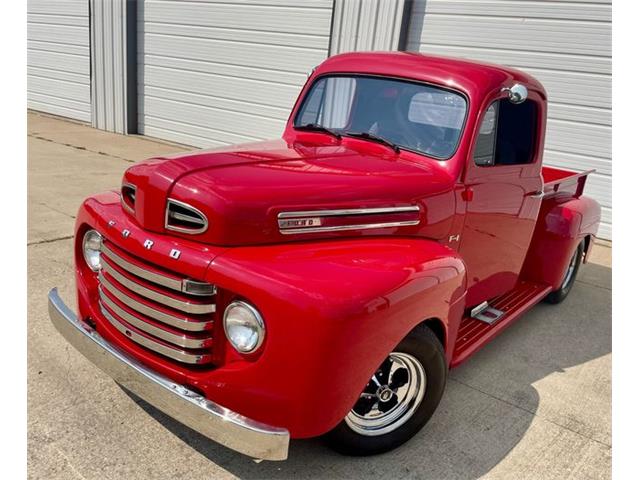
(416, 139)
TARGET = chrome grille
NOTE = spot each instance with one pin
(150, 306)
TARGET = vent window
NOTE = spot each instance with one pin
(128, 197)
(181, 217)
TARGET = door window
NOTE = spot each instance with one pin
(507, 134)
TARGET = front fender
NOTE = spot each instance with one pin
(333, 311)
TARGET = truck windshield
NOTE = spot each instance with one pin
(409, 115)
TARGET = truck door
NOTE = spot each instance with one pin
(503, 185)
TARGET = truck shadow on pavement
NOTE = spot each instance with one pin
(554, 353)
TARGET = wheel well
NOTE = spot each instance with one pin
(437, 327)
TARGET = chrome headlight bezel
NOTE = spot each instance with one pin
(252, 321)
(91, 248)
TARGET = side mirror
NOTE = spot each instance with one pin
(517, 93)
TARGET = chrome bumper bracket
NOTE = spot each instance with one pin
(214, 421)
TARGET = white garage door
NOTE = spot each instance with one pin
(215, 73)
(58, 58)
(565, 44)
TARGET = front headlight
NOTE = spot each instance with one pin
(244, 327)
(91, 244)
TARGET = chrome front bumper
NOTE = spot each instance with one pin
(204, 416)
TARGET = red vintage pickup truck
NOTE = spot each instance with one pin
(324, 283)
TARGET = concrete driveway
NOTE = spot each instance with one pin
(534, 404)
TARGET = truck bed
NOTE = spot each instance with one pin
(559, 180)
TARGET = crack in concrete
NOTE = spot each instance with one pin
(71, 466)
(593, 285)
(535, 414)
(50, 240)
(42, 204)
(79, 147)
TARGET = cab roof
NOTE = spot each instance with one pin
(475, 79)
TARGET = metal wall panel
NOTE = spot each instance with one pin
(218, 72)
(111, 57)
(565, 44)
(368, 25)
(58, 69)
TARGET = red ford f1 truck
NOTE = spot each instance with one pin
(324, 283)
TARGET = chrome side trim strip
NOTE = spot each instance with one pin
(181, 323)
(349, 211)
(188, 307)
(190, 231)
(165, 281)
(179, 340)
(212, 420)
(174, 353)
(342, 228)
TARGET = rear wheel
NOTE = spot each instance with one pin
(398, 400)
(570, 275)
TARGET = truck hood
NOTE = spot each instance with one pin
(241, 190)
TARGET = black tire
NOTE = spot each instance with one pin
(422, 345)
(570, 275)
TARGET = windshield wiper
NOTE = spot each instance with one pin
(373, 138)
(314, 127)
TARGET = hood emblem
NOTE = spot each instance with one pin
(299, 222)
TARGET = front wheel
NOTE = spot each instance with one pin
(398, 400)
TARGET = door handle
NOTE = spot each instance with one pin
(536, 194)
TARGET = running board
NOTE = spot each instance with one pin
(488, 319)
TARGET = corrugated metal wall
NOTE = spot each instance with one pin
(215, 73)
(110, 52)
(565, 44)
(367, 25)
(58, 57)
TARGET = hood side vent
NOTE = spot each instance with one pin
(128, 197)
(182, 217)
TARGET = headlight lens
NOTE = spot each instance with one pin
(91, 249)
(244, 327)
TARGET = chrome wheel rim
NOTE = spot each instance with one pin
(572, 268)
(391, 397)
